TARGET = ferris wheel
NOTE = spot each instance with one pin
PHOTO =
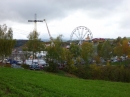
(81, 34)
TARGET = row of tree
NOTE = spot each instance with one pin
(6, 41)
(118, 47)
(76, 54)
(76, 59)
(57, 53)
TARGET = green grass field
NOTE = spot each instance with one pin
(27, 83)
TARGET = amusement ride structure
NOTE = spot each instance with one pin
(52, 43)
(35, 27)
(80, 34)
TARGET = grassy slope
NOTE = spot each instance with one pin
(26, 83)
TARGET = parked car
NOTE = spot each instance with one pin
(34, 66)
(19, 62)
(8, 62)
(114, 60)
(5, 61)
(41, 66)
(16, 66)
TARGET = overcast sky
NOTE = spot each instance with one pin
(105, 18)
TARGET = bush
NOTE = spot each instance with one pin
(111, 73)
(70, 69)
(107, 72)
(83, 71)
(96, 71)
(53, 67)
(7, 65)
(25, 66)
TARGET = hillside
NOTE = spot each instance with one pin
(20, 43)
(27, 83)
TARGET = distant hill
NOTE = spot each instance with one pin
(20, 43)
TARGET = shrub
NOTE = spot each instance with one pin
(7, 65)
(25, 66)
(108, 72)
(53, 67)
(70, 69)
(83, 71)
(96, 71)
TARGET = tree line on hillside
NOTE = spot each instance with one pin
(20, 43)
(77, 59)
(83, 61)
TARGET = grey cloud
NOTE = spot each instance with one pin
(23, 10)
(125, 22)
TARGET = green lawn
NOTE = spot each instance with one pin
(27, 83)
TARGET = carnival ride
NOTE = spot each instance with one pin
(52, 43)
(80, 34)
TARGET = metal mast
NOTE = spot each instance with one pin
(35, 22)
